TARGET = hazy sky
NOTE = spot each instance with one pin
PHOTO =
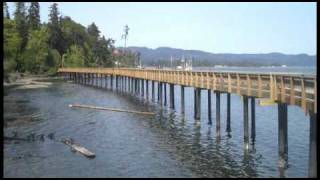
(209, 26)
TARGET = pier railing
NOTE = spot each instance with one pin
(286, 88)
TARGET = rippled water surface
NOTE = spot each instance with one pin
(132, 145)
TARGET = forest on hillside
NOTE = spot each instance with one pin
(41, 48)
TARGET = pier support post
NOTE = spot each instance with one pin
(139, 86)
(105, 81)
(313, 146)
(165, 93)
(160, 93)
(123, 84)
(97, 80)
(245, 123)
(228, 113)
(142, 87)
(111, 78)
(101, 80)
(92, 79)
(209, 107)
(135, 86)
(132, 85)
(116, 78)
(253, 119)
(283, 133)
(172, 96)
(158, 83)
(197, 103)
(218, 114)
(182, 99)
(129, 84)
(120, 83)
(147, 89)
(152, 89)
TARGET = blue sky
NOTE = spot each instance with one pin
(288, 28)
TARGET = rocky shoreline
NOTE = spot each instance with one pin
(22, 81)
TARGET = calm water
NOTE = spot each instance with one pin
(298, 70)
(130, 145)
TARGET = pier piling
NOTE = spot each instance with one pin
(197, 103)
(245, 123)
(228, 113)
(171, 96)
(253, 119)
(209, 107)
(313, 145)
(182, 99)
(283, 133)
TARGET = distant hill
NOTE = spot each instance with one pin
(201, 58)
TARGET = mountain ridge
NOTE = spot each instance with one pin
(162, 55)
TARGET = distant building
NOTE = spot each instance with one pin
(116, 52)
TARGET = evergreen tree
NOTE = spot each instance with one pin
(21, 20)
(21, 24)
(93, 31)
(73, 33)
(102, 54)
(5, 11)
(55, 34)
(34, 16)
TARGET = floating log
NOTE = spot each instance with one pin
(14, 138)
(110, 109)
(79, 148)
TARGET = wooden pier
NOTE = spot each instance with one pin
(281, 89)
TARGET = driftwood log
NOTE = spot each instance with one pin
(79, 148)
(110, 109)
(14, 138)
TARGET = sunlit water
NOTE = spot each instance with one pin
(297, 70)
(168, 144)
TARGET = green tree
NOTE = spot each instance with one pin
(73, 33)
(55, 33)
(102, 53)
(11, 45)
(94, 32)
(21, 21)
(6, 11)
(74, 57)
(36, 53)
(53, 61)
(34, 16)
(89, 58)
